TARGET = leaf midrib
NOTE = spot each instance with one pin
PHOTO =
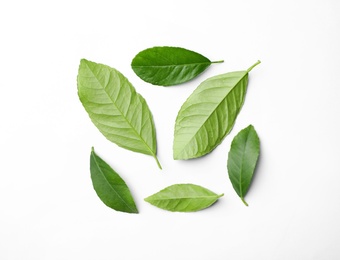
(136, 133)
(176, 65)
(199, 197)
(212, 113)
(241, 168)
(100, 170)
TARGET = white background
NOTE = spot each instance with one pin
(48, 208)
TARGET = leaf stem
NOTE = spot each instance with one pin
(251, 67)
(159, 165)
(245, 203)
(219, 61)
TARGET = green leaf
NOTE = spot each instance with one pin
(183, 198)
(120, 114)
(166, 66)
(109, 186)
(209, 114)
(242, 158)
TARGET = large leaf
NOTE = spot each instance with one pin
(166, 66)
(183, 198)
(120, 114)
(209, 114)
(109, 186)
(242, 158)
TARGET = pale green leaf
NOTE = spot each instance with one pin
(183, 198)
(117, 110)
(209, 114)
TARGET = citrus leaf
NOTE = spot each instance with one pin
(166, 66)
(242, 158)
(183, 198)
(209, 114)
(116, 109)
(109, 186)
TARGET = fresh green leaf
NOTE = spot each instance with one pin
(183, 198)
(242, 158)
(109, 186)
(166, 66)
(120, 114)
(209, 114)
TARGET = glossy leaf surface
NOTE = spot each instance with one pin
(109, 186)
(166, 66)
(116, 109)
(183, 198)
(209, 114)
(242, 159)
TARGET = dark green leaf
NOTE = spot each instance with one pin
(242, 158)
(166, 66)
(110, 187)
(209, 114)
(183, 198)
(120, 114)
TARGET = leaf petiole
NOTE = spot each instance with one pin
(158, 163)
(219, 61)
(245, 203)
(251, 67)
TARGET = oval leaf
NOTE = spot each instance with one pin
(109, 186)
(209, 114)
(183, 198)
(242, 158)
(166, 66)
(120, 114)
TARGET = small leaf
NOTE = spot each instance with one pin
(109, 186)
(209, 114)
(166, 66)
(119, 113)
(183, 198)
(242, 159)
